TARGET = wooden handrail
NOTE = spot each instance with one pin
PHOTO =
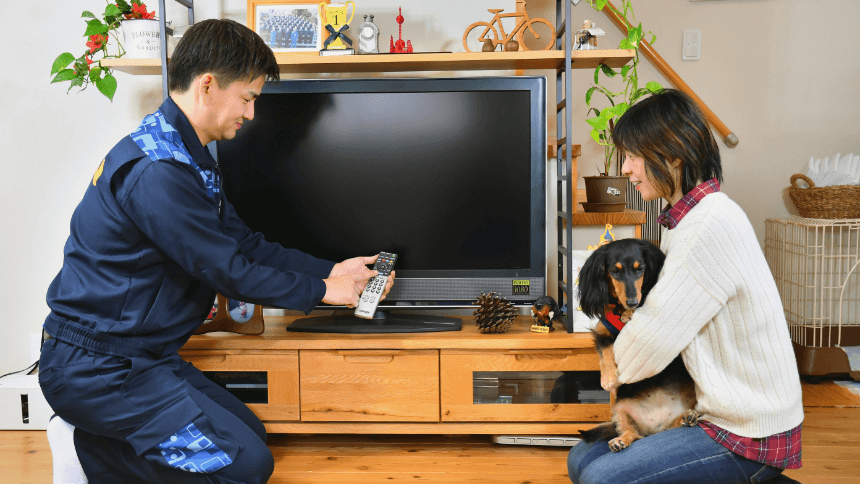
(729, 138)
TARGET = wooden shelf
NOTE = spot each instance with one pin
(627, 217)
(276, 337)
(458, 61)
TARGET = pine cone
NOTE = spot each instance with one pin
(494, 314)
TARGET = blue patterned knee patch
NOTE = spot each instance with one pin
(190, 450)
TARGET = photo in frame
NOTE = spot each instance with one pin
(287, 25)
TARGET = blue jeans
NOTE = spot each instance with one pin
(680, 455)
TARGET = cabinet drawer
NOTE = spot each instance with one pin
(522, 385)
(247, 375)
(369, 385)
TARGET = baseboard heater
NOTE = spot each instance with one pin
(552, 441)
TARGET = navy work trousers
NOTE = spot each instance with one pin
(145, 420)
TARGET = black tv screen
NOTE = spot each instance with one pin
(447, 173)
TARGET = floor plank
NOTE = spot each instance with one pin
(25, 457)
(831, 453)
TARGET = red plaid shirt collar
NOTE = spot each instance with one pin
(671, 216)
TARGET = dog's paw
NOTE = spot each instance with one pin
(618, 444)
(609, 382)
(690, 418)
(626, 315)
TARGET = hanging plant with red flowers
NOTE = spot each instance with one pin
(86, 69)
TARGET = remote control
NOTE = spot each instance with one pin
(373, 291)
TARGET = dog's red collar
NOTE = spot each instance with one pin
(612, 321)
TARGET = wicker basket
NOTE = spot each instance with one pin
(836, 202)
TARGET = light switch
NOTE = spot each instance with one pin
(692, 45)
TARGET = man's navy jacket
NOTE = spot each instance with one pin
(154, 238)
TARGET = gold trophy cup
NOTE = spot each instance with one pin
(334, 15)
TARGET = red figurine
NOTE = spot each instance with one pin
(400, 47)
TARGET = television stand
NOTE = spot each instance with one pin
(451, 382)
(383, 322)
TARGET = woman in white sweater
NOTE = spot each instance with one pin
(715, 304)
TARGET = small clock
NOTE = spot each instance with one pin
(368, 34)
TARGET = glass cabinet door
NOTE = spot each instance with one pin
(537, 387)
(550, 385)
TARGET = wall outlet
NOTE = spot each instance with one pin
(22, 405)
(691, 48)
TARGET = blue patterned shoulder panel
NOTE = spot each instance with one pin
(160, 141)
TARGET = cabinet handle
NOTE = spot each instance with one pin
(541, 352)
(369, 356)
(206, 360)
(370, 352)
(547, 354)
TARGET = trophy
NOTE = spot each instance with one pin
(335, 20)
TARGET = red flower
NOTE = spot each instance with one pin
(89, 61)
(97, 41)
(138, 11)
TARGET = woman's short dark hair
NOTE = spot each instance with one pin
(227, 49)
(665, 127)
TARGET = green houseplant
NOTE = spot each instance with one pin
(617, 101)
(607, 193)
(85, 69)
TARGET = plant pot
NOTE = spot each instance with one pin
(605, 189)
(142, 38)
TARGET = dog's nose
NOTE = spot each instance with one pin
(632, 303)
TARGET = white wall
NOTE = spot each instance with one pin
(783, 75)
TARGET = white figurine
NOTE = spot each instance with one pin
(368, 34)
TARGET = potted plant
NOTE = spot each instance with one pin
(81, 71)
(605, 188)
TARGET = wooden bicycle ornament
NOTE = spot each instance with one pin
(524, 24)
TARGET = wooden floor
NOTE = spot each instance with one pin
(831, 453)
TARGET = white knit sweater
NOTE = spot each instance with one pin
(717, 305)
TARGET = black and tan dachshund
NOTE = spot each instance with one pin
(613, 282)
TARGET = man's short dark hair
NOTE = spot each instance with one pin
(665, 127)
(227, 49)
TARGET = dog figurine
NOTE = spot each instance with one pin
(545, 312)
(613, 282)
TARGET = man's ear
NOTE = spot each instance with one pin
(204, 83)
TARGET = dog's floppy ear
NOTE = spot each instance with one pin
(593, 288)
(654, 259)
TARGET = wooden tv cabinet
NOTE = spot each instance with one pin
(419, 383)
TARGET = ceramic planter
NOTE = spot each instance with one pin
(605, 193)
(142, 38)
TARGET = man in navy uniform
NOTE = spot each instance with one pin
(151, 243)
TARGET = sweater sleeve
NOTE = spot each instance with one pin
(677, 308)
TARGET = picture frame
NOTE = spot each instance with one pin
(287, 25)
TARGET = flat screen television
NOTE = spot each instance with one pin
(448, 173)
